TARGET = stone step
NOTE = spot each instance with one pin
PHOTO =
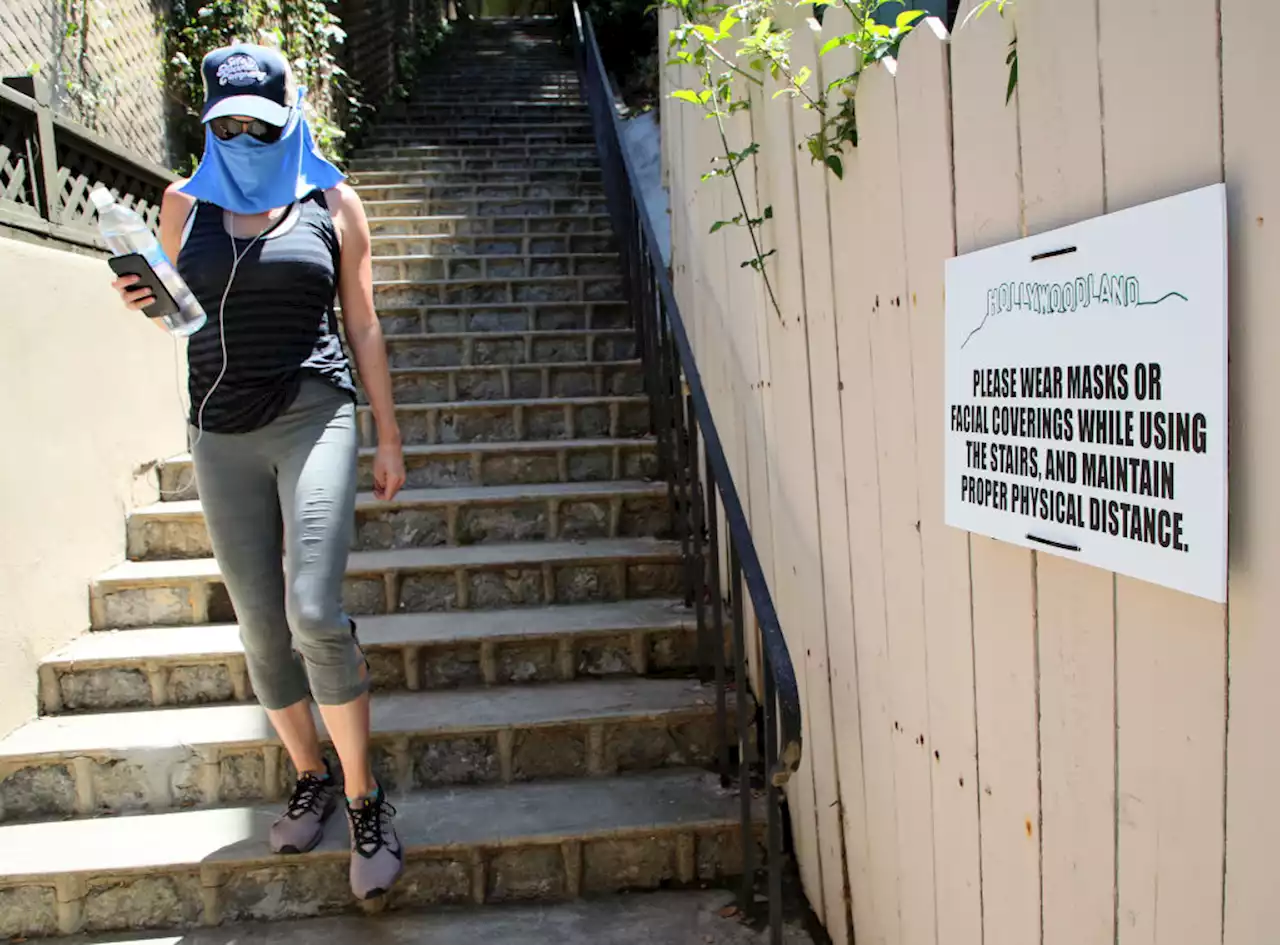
(467, 128)
(589, 203)
(444, 245)
(553, 418)
(164, 759)
(449, 465)
(670, 917)
(505, 382)
(471, 845)
(481, 119)
(440, 349)
(477, 141)
(498, 224)
(181, 666)
(539, 318)
(427, 518)
(458, 268)
(545, 160)
(525, 107)
(401, 293)
(473, 152)
(430, 194)
(414, 580)
(519, 175)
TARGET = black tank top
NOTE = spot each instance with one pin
(280, 323)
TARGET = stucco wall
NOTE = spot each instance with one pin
(90, 397)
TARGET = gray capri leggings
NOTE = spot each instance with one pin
(288, 486)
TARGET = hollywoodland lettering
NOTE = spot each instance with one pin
(1098, 433)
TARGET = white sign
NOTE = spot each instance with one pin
(1087, 392)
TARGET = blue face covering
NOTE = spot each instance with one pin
(245, 175)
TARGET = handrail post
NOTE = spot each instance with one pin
(42, 147)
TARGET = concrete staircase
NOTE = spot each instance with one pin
(536, 720)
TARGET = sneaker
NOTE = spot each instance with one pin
(301, 827)
(377, 858)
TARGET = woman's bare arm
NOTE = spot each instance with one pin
(364, 334)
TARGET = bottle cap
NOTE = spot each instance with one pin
(101, 198)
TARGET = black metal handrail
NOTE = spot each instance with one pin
(49, 165)
(680, 410)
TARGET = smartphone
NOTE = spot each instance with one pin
(135, 264)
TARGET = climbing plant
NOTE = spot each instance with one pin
(308, 32)
(734, 47)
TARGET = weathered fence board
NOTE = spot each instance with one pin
(1250, 87)
(1062, 183)
(1162, 121)
(924, 127)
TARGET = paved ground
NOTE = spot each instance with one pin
(651, 918)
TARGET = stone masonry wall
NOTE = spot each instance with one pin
(104, 59)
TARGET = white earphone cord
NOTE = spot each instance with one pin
(236, 258)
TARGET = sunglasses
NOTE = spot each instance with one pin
(226, 128)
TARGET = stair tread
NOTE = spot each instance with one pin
(668, 918)
(428, 821)
(521, 402)
(432, 713)
(413, 559)
(523, 366)
(494, 446)
(453, 495)
(425, 629)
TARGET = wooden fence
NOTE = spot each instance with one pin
(1000, 746)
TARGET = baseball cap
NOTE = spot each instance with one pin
(245, 79)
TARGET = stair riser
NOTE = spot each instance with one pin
(484, 319)
(485, 154)
(286, 888)
(446, 246)
(484, 423)
(543, 225)
(566, 289)
(431, 175)
(182, 683)
(506, 383)
(494, 348)
(481, 143)
(404, 591)
(529, 166)
(431, 526)
(431, 194)
(184, 778)
(625, 459)
(499, 267)
(530, 110)
(489, 207)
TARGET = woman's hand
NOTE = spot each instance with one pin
(134, 299)
(388, 471)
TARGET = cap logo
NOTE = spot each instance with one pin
(240, 70)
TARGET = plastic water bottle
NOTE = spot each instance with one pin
(125, 232)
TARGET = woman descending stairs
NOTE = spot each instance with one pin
(535, 719)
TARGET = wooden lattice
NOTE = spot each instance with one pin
(17, 177)
(82, 168)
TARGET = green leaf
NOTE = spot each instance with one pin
(704, 96)
(803, 76)
(831, 44)
(907, 17)
(1013, 79)
(719, 225)
(768, 212)
(836, 165)
(728, 23)
(706, 32)
(686, 95)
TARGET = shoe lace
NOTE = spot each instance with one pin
(366, 825)
(306, 795)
